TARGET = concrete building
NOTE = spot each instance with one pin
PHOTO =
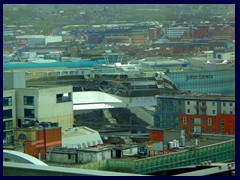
(196, 114)
(9, 115)
(46, 105)
(94, 154)
(124, 150)
(85, 155)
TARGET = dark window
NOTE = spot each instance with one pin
(7, 114)
(230, 104)
(188, 103)
(7, 101)
(66, 97)
(192, 120)
(221, 121)
(188, 110)
(184, 120)
(29, 113)
(224, 104)
(28, 100)
(22, 137)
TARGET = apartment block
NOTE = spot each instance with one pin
(196, 114)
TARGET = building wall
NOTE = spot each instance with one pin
(156, 135)
(9, 121)
(46, 108)
(61, 157)
(226, 124)
(220, 124)
(37, 141)
(85, 156)
(62, 111)
(14, 80)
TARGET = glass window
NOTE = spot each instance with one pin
(209, 122)
(7, 101)
(7, 114)
(7, 125)
(29, 113)
(184, 120)
(188, 102)
(224, 104)
(224, 112)
(230, 104)
(231, 112)
(221, 121)
(213, 103)
(214, 111)
(188, 110)
(28, 100)
(230, 121)
(192, 120)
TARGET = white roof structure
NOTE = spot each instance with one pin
(80, 137)
(94, 100)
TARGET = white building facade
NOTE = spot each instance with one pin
(46, 105)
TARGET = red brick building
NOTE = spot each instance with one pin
(219, 124)
(36, 140)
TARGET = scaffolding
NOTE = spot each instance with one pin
(220, 152)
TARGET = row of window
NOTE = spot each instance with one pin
(201, 130)
(29, 113)
(214, 111)
(28, 100)
(201, 121)
(213, 103)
